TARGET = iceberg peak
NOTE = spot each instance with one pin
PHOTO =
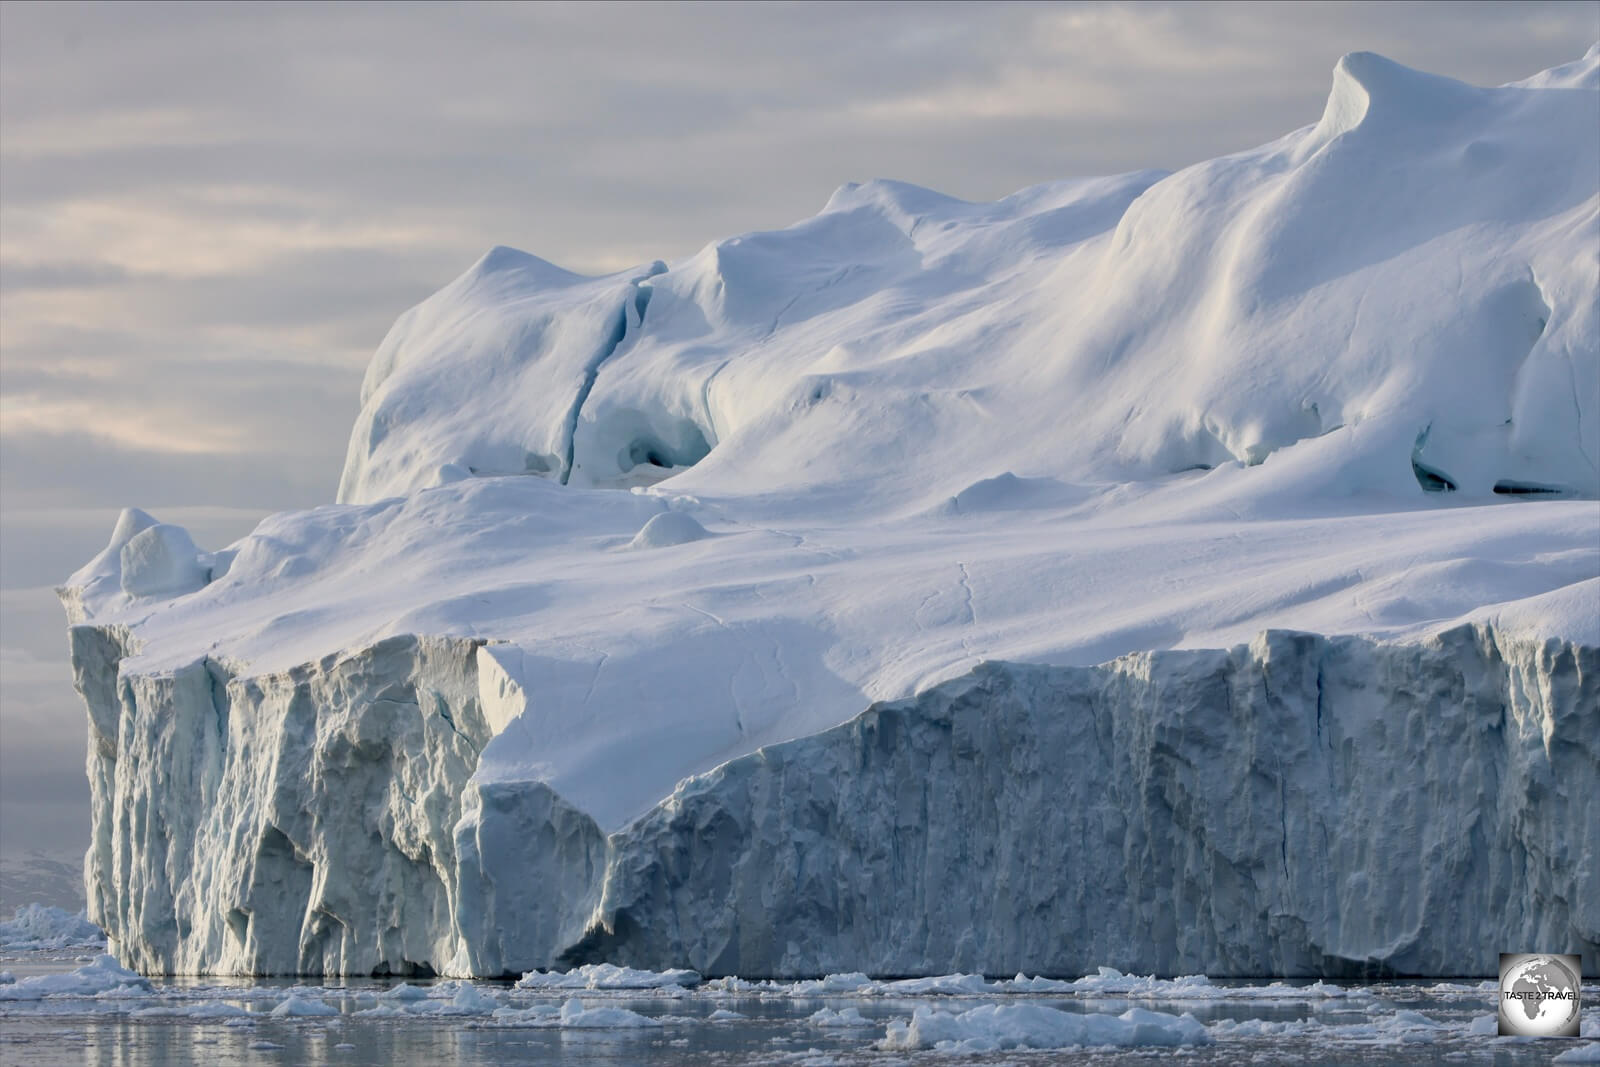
(531, 269)
(1369, 88)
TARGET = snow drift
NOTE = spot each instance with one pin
(575, 671)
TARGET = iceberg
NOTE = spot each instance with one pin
(41, 927)
(1191, 573)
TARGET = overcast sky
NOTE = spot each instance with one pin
(209, 215)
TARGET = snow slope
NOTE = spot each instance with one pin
(648, 523)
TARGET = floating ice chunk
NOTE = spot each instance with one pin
(533, 1015)
(405, 991)
(667, 529)
(1484, 1026)
(844, 1017)
(161, 560)
(575, 1016)
(104, 975)
(385, 1011)
(470, 1000)
(1411, 1020)
(948, 984)
(7, 978)
(731, 984)
(298, 1005)
(726, 1015)
(1023, 984)
(1588, 1052)
(608, 976)
(263, 1045)
(1108, 981)
(853, 982)
(1234, 1028)
(40, 926)
(1012, 1026)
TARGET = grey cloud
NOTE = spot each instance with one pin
(59, 275)
(76, 469)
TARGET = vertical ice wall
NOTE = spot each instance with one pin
(1301, 805)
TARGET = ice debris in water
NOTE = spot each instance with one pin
(607, 976)
(97, 979)
(298, 1005)
(1034, 1026)
(42, 926)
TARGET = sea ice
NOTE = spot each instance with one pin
(608, 976)
(103, 976)
(298, 1005)
(1034, 1026)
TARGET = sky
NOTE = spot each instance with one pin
(210, 214)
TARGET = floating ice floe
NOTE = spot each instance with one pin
(600, 976)
(1034, 1026)
(572, 1015)
(297, 1005)
(102, 977)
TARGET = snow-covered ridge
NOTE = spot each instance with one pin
(1413, 274)
(661, 528)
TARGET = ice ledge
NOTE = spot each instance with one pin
(1301, 805)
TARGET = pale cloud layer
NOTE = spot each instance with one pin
(209, 215)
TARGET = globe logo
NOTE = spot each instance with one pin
(1539, 995)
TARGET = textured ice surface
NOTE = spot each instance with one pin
(104, 977)
(607, 976)
(1210, 796)
(1008, 1026)
(161, 560)
(575, 672)
(44, 927)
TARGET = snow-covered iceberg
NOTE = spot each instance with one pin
(1193, 573)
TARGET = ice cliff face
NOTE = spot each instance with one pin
(1002, 472)
(1297, 806)
(1301, 805)
(282, 824)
